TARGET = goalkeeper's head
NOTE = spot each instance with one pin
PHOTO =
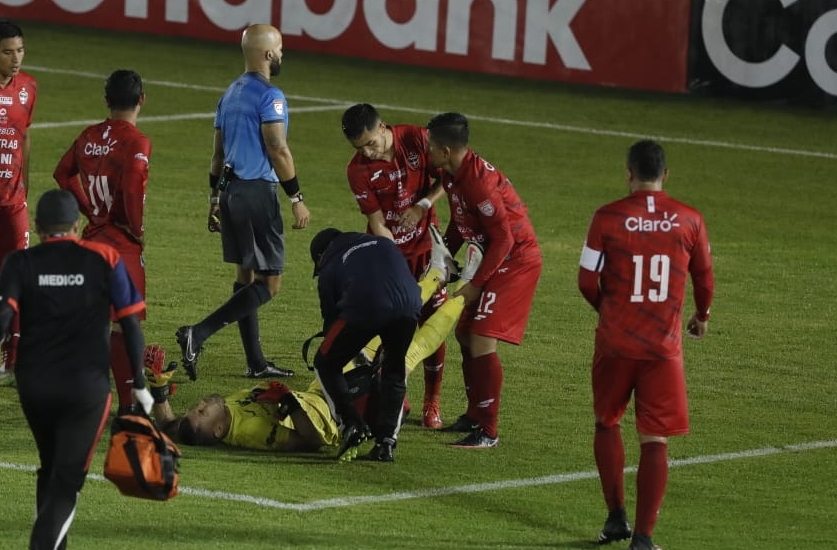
(205, 424)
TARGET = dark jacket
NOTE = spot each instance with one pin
(366, 281)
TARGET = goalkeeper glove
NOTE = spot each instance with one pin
(273, 393)
(153, 358)
(159, 380)
(279, 393)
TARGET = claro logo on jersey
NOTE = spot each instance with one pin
(778, 60)
(68, 279)
(644, 225)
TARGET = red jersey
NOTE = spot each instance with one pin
(17, 104)
(486, 209)
(393, 187)
(638, 253)
(106, 169)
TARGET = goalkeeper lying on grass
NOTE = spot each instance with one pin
(271, 416)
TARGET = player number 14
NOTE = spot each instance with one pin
(99, 192)
(658, 275)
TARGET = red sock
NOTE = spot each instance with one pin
(486, 383)
(651, 479)
(610, 461)
(9, 347)
(120, 366)
(467, 375)
(470, 375)
(433, 368)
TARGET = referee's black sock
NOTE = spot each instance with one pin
(243, 303)
(248, 328)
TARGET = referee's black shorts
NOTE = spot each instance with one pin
(251, 226)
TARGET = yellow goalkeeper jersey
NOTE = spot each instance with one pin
(255, 424)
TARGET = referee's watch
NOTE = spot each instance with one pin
(297, 198)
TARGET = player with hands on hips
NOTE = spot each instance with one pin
(106, 169)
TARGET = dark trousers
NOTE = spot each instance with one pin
(66, 428)
(341, 344)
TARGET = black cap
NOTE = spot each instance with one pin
(319, 244)
(56, 207)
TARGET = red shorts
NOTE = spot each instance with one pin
(14, 229)
(506, 300)
(658, 386)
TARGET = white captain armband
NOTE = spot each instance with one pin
(592, 260)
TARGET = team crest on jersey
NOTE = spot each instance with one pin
(413, 159)
(23, 96)
(486, 207)
(279, 107)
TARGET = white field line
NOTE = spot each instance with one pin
(170, 118)
(340, 104)
(342, 502)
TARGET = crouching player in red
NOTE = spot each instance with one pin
(485, 209)
(391, 179)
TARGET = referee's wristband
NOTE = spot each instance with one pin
(291, 186)
(213, 181)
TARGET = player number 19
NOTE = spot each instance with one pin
(658, 274)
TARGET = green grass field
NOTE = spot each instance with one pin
(756, 472)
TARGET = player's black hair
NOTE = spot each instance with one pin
(647, 160)
(449, 129)
(320, 243)
(8, 29)
(123, 89)
(358, 119)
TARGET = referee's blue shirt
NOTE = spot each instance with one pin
(249, 101)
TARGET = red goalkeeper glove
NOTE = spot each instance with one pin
(279, 393)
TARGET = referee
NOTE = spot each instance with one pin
(250, 160)
(63, 290)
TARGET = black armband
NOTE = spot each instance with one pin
(160, 393)
(291, 186)
(213, 181)
(288, 404)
